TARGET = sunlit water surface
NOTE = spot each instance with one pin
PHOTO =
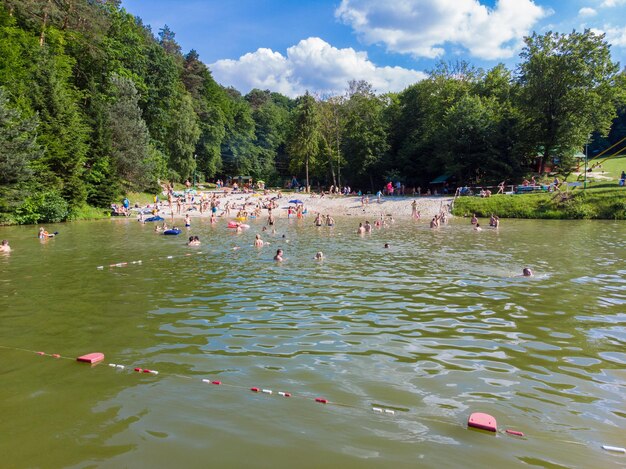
(436, 327)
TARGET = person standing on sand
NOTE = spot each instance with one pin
(414, 209)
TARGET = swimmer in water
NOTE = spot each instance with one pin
(279, 255)
(526, 272)
(474, 220)
(258, 242)
(477, 227)
(44, 234)
(386, 245)
(4, 247)
(187, 220)
(319, 256)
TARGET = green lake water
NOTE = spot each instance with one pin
(436, 327)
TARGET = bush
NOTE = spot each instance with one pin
(45, 207)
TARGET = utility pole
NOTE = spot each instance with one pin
(586, 147)
(195, 164)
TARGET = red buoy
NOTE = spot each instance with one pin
(138, 370)
(56, 355)
(482, 421)
(321, 400)
(254, 389)
(91, 358)
(41, 353)
(514, 432)
(216, 382)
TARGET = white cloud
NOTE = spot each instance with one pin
(587, 12)
(423, 27)
(612, 3)
(616, 36)
(312, 65)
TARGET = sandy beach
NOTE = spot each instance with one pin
(335, 206)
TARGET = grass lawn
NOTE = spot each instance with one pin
(601, 201)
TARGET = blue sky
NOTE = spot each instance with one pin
(291, 46)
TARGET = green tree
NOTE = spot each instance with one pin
(365, 137)
(303, 141)
(182, 136)
(332, 126)
(129, 134)
(567, 91)
(209, 102)
(18, 145)
(63, 132)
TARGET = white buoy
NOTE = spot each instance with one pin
(267, 391)
(377, 409)
(615, 449)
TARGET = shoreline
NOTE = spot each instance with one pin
(335, 206)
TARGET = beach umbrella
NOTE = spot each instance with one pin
(296, 201)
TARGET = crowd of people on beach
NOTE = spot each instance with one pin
(252, 205)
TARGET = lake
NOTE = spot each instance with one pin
(435, 327)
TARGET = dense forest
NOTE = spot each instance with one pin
(94, 104)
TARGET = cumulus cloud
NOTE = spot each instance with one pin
(612, 3)
(312, 65)
(423, 27)
(616, 36)
(587, 12)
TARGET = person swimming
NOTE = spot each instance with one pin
(44, 234)
(477, 227)
(319, 256)
(279, 255)
(526, 272)
(258, 242)
(187, 220)
(386, 245)
(4, 246)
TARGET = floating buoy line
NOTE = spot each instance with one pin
(477, 420)
(139, 262)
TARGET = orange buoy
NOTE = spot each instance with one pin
(91, 358)
(482, 421)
